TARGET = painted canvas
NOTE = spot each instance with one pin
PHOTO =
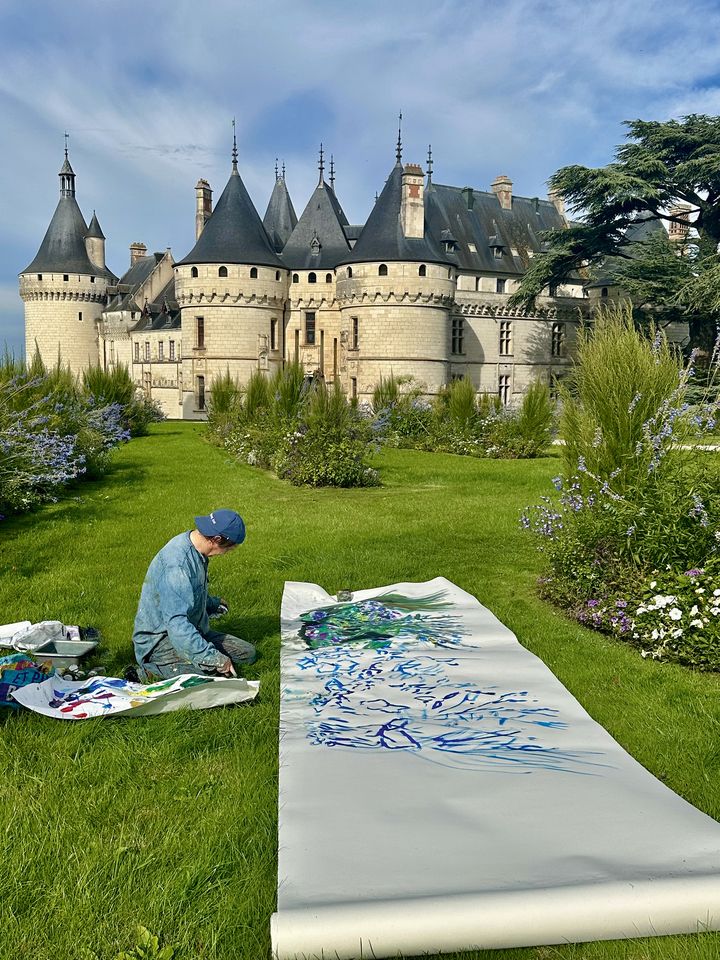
(441, 790)
(110, 696)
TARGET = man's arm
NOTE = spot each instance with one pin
(176, 599)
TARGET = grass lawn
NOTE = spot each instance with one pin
(171, 821)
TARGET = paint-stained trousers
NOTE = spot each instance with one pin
(167, 662)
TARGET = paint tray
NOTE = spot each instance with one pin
(64, 653)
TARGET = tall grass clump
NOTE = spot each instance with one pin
(637, 503)
(460, 420)
(296, 426)
(224, 402)
(115, 386)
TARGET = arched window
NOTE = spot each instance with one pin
(382, 270)
(222, 272)
(193, 271)
(277, 274)
(253, 273)
(296, 278)
(604, 292)
(328, 278)
(422, 270)
(349, 272)
(450, 274)
(312, 278)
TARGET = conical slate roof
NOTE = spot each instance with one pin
(234, 233)
(94, 228)
(280, 218)
(382, 237)
(318, 241)
(63, 248)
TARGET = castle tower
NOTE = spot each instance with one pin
(316, 246)
(396, 290)
(231, 290)
(64, 288)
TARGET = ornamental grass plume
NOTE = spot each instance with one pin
(623, 401)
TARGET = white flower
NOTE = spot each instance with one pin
(675, 613)
(696, 623)
(654, 635)
(716, 593)
(641, 609)
(694, 610)
(700, 590)
(644, 653)
(714, 611)
(677, 632)
(653, 584)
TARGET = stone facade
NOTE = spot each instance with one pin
(420, 291)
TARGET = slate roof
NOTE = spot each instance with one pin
(122, 295)
(280, 218)
(475, 219)
(382, 237)
(318, 241)
(234, 233)
(63, 248)
(94, 228)
(162, 314)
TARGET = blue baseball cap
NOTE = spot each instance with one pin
(222, 523)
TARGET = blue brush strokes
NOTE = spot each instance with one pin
(395, 698)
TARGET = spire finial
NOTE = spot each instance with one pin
(332, 171)
(276, 169)
(67, 137)
(429, 163)
(398, 152)
(283, 169)
(234, 150)
(321, 166)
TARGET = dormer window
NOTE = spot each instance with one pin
(315, 246)
(253, 273)
(497, 252)
(193, 272)
(382, 270)
(222, 272)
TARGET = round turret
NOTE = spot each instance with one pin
(63, 289)
(231, 290)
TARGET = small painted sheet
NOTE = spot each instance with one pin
(109, 696)
(440, 790)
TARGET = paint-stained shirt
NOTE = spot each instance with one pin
(174, 603)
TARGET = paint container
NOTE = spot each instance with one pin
(64, 653)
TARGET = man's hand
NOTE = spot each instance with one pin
(226, 668)
(223, 607)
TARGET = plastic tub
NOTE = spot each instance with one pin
(64, 653)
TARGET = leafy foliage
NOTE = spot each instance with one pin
(662, 164)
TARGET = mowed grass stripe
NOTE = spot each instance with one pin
(171, 821)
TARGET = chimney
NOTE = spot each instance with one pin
(502, 188)
(679, 231)
(467, 192)
(412, 205)
(557, 201)
(203, 206)
(137, 252)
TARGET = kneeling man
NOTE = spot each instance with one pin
(172, 632)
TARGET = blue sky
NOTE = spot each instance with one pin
(148, 91)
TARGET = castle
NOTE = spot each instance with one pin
(420, 290)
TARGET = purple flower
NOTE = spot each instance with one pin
(593, 603)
